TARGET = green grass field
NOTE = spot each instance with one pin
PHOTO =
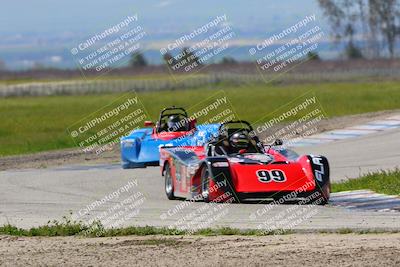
(385, 182)
(32, 124)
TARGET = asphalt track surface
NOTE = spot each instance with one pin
(32, 197)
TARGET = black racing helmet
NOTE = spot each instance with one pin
(239, 140)
(173, 123)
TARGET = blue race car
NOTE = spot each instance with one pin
(174, 128)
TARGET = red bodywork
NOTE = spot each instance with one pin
(244, 178)
(165, 135)
(169, 135)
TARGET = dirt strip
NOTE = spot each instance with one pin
(286, 250)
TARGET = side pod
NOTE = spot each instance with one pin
(222, 180)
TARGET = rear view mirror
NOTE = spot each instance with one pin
(148, 123)
(278, 142)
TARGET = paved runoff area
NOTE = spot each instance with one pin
(118, 197)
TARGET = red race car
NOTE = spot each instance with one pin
(237, 166)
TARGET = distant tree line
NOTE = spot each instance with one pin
(375, 22)
(138, 60)
(187, 57)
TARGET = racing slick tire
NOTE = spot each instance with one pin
(324, 193)
(169, 185)
(205, 183)
(320, 167)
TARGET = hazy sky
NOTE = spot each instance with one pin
(87, 16)
(45, 30)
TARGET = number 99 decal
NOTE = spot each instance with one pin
(266, 176)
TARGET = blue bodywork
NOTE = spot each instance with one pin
(140, 149)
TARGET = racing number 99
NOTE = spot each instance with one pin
(266, 176)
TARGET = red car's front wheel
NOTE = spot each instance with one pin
(324, 193)
(169, 183)
(205, 184)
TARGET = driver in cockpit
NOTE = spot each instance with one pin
(174, 124)
(239, 142)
